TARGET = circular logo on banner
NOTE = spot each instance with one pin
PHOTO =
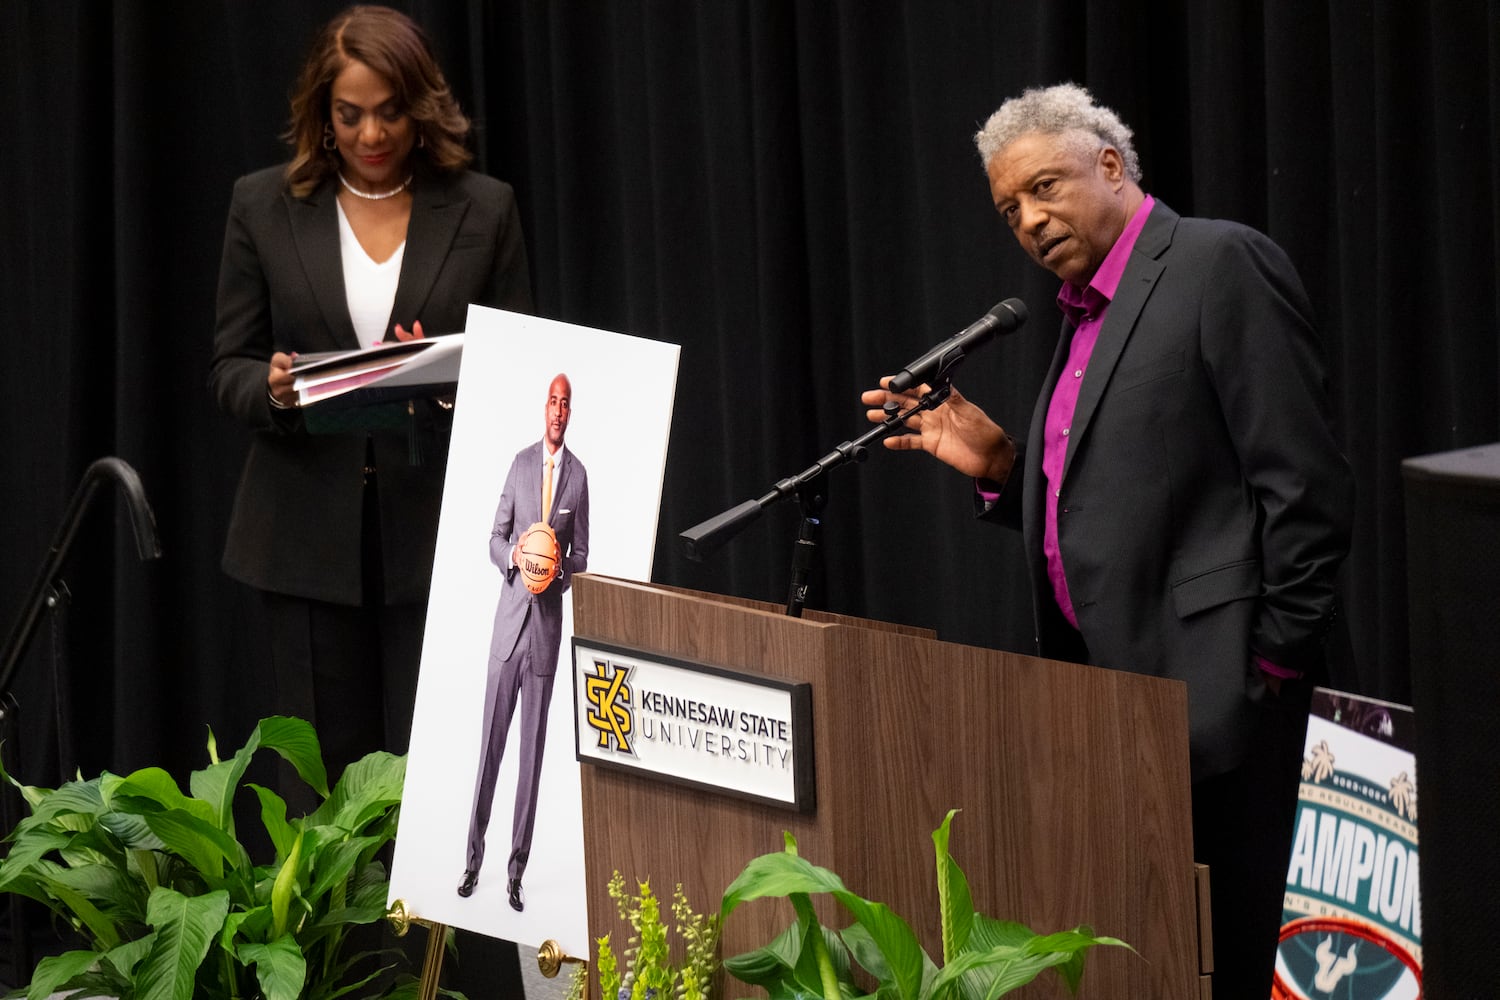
(1333, 956)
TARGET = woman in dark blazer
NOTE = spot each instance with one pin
(374, 231)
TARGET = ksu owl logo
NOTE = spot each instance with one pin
(610, 714)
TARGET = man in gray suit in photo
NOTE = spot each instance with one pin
(546, 485)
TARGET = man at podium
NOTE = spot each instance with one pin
(1183, 502)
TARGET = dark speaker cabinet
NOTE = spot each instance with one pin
(1453, 566)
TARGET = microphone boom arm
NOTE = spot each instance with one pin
(708, 536)
(147, 543)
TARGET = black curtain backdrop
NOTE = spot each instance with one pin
(788, 191)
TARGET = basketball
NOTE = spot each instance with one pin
(538, 557)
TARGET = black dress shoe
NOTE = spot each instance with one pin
(466, 884)
(514, 890)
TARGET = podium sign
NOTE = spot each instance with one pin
(694, 724)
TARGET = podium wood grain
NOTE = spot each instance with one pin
(1072, 780)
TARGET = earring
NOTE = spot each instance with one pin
(329, 142)
(421, 140)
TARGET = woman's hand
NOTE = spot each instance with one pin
(415, 334)
(279, 379)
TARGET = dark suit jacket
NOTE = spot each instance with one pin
(295, 528)
(520, 507)
(1205, 506)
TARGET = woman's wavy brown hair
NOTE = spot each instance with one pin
(394, 46)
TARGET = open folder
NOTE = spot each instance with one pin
(387, 372)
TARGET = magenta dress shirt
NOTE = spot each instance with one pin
(1085, 308)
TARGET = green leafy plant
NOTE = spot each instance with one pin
(172, 906)
(649, 972)
(982, 957)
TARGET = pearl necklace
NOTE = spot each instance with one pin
(375, 195)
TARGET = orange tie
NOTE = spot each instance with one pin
(547, 490)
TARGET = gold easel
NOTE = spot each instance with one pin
(432, 963)
(550, 957)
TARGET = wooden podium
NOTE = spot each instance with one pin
(1073, 783)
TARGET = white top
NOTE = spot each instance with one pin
(369, 288)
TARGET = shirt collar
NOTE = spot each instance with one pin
(1076, 303)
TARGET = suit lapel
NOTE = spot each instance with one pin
(1140, 277)
(437, 209)
(315, 231)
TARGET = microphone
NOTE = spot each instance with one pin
(1006, 317)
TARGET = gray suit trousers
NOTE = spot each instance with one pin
(509, 681)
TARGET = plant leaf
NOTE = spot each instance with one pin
(807, 976)
(370, 887)
(253, 924)
(983, 957)
(786, 968)
(978, 966)
(158, 790)
(283, 888)
(985, 934)
(1073, 944)
(81, 798)
(129, 830)
(280, 967)
(199, 843)
(100, 981)
(769, 962)
(101, 927)
(273, 818)
(870, 958)
(55, 973)
(30, 793)
(297, 743)
(787, 875)
(367, 788)
(988, 933)
(1004, 967)
(216, 785)
(337, 982)
(894, 938)
(1077, 939)
(108, 885)
(185, 929)
(128, 955)
(26, 850)
(1020, 971)
(955, 904)
(123, 857)
(337, 861)
(776, 875)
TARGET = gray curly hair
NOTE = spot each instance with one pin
(1057, 110)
